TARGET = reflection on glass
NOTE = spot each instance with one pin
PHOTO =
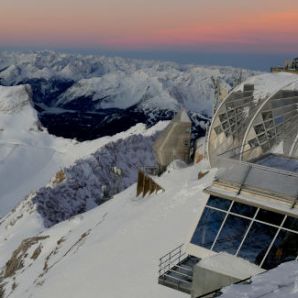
(270, 217)
(291, 223)
(242, 209)
(257, 242)
(207, 228)
(232, 234)
(218, 203)
(284, 249)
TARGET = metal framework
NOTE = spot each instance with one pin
(253, 219)
(254, 119)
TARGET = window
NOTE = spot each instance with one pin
(284, 249)
(223, 117)
(267, 115)
(279, 120)
(253, 143)
(230, 237)
(219, 203)
(263, 237)
(257, 242)
(207, 228)
(259, 128)
(225, 125)
(271, 133)
(291, 223)
(270, 217)
(269, 124)
(243, 209)
(262, 138)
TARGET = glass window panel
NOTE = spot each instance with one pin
(267, 115)
(233, 128)
(291, 223)
(271, 133)
(207, 227)
(230, 113)
(270, 217)
(223, 117)
(278, 120)
(257, 242)
(231, 234)
(225, 125)
(259, 128)
(285, 248)
(269, 124)
(253, 143)
(262, 138)
(243, 209)
(218, 129)
(219, 203)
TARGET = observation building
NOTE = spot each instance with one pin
(249, 222)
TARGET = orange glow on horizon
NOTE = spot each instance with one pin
(134, 24)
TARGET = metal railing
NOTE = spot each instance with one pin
(171, 259)
(257, 176)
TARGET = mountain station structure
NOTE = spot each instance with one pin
(249, 222)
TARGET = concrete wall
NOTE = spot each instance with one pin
(174, 142)
(206, 281)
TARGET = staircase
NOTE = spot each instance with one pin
(175, 270)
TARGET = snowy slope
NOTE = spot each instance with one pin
(113, 250)
(276, 283)
(29, 156)
(81, 186)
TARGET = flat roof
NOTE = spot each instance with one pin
(271, 175)
(254, 198)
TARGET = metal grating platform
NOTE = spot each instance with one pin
(176, 269)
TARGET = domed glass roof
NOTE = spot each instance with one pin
(258, 116)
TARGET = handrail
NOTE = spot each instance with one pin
(171, 258)
(178, 247)
(258, 166)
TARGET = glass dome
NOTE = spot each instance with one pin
(258, 116)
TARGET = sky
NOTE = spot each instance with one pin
(188, 31)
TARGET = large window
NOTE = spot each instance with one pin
(260, 236)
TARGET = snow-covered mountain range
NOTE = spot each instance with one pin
(102, 96)
(53, 178)
(29, 156)
(70, 222)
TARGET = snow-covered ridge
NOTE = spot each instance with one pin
(117, 243)
(12, 100)
(95, 82)
(95, 179)
(29, 156)
(82, 186)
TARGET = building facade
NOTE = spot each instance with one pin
(249, 222)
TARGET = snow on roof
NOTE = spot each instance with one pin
(276, 283)
(229, 265)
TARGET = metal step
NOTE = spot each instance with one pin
(179, 276)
